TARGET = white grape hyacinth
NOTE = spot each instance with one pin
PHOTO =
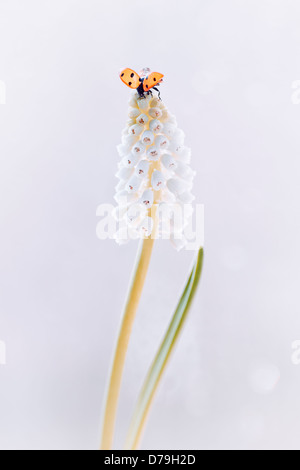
(155, 179)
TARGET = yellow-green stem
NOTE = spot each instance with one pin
(128, 317)
(132, 302)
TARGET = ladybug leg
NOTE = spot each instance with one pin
(158, 91)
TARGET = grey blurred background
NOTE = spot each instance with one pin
(229, 66)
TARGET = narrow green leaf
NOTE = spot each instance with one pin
(159, 364)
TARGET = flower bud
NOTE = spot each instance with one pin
(129, 139)
(135, 212)
(123, 150)
(155, 103)
(133, 113)
(147, 138)
(130, 160)
(157, 180)
(138, 149)
(155, 126)
(169, 162)
(142, 168)
(142, 119)
(162, 142)
(147, 198)
(153, 153)
(124, 173)
(136, 129)
(146, 227)
(169, 129)
(176, 186)
(133, 184)
(184, 171)
(186, 197)
(155, 113)
(143, 103)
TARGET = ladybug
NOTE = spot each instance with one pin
(143, 82)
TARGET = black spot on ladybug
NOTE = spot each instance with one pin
(129, 83)
(154, 79)
(122, 75)
(132, 75)
(147, 86)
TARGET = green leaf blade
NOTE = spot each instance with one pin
(161, 359)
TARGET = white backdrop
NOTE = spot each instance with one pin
(229, 66)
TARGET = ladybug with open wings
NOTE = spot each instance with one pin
(144, 82)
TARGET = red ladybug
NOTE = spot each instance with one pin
(143, 82)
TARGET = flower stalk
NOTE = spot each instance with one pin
(130, 309)
(131, 305)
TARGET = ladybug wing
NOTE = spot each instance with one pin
(130, 78)
(153, 79)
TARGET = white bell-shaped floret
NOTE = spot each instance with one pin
(133, 184)
(133, 113)
(155, 113)
(156, 126)
(157, 180)
(138, 149)
(142, 168)
(186, 197)
(162, 142)
(147, 138)
(184, 171)
(176, 186)
(169, 162)
(130, 160)
(124, 173)
(153, 153)
(146, 226)
(147, 198)
(135, 130)
(143, 103)
(142, 119)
